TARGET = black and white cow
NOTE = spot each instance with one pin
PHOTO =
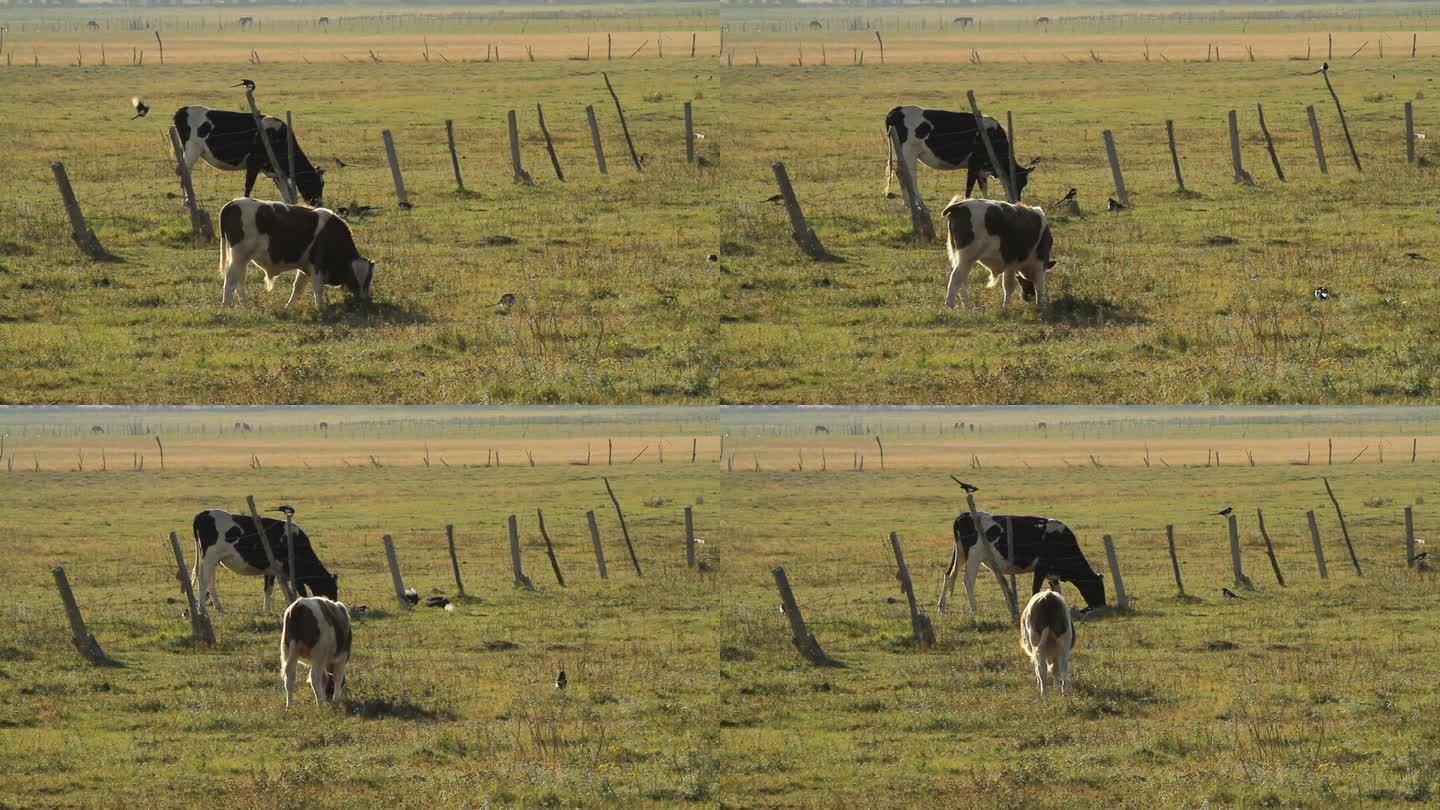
(1013, 242)
(280, 237)
(950, 140)
(222, 538)
(1045, 547)
(1047, 635)
(230, 142)
(317, 631)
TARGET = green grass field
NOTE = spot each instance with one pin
(1317, 694)
(442, 709)
(614, 291)
(1198, 297)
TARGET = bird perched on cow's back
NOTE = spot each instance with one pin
(141, 108)
(285, 509)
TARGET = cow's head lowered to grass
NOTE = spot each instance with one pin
(1047, 548)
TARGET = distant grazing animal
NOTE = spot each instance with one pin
(229, 141)
(317, 631)
(1042, 20)
(1043, 546)
(963, 22)
(92, 25)
(323, 21)
(950, 140)
(816, 25)
(1047, 635)
(222, 538)
(1013, 242)
(97, 429)
(280, 237)
(821, 429)
(245, 21)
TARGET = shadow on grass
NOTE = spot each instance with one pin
(1078, 310)
(380, 708)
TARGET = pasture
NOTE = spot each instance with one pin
(1200, 296)
(444, 707)
(613, 290)
(1316, 694)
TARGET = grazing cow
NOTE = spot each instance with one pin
(1013, 242)
(92, 25)
(317, 631)
(323, 21)
(816, 25)
(950, 140)
(1042, 20)
(229, 141)
(222, 538)
(280, 237)
(963, 22)
(1043, 546)
(821, 429)
(245, 21)
(1047, 635)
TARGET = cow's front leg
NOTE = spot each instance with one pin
(295, 291)
(959, 283)
(269, 586)
(252, 171)
(1009, 282)
(972, 570)
(319, 285)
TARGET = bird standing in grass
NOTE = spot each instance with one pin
(560, 680)
(1069, 197)
(505, 300)
(1229, 594)
(1116, 205)
(1322, 293)
(141, 108)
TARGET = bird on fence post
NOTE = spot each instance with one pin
(1324, 66)
(1225, 512)
(969, 488)
(247, 84)
(285, 509)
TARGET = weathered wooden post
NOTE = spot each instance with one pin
(290, 557)
(1344, 127)
(1269, 547)
(624, 128)
(1010, 126)
(920, 626)
(1409, 537)
(595, 541)
(1174, 560)
(920, 220)
(290, 156)
(454, 561)
(521, 176)
(454, 157)
(395, 574)
(1269, 144)
(1315, 138)
(1343, 530)
(800, 635)
(689, 537)
(624, 530)
(549, 145)
(1241, 581)
(1001, 174)
(274, 565)
(200, 628)
(881, 445)
(595, 138)
(1319, 550)
(1115, 169)
(521, 581)
(79, 635)
(1174, 155)
(1410, 132)
(395, 169)
(973, 564)
(689, 133)
(1241, 176)
(84, 237)
(799, 231)
(286, 190)
(1121, 600)
(200, 225)
(549, 549)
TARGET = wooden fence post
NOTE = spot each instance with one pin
(1409, 537)
(521, 176)
(1000, 173)
(1174, 158)
(1410, 132)
(161, 445)
(1343, 531)
(1344, 127)
(882, 51)
(799, 231)
(1319, 550)
(290, 156)
(1115, 168)
(881, 445)
(1241, 176)
(1269, 547)
(624, 128)
(200, 225)
(1121, 600)
(454, 158)
(286, 190)
(1241, 581)
(454, 561)
(920, 220)
(80, 636)
(395, 573)
(689, 133)
(1010, 127)
(624, 530)
(1269, 144)
(1315, 138)
(920, 626)
(549, 145)
(84, 237)
(595, 138)
(1011, 598)
(800, 635)
(290, 557)
(395, 169)
(689, 537)
(161, 43)
(275, 571)
(521, 581)
(1174, 560)
(595, 541)
(549, 549)
(200, 628)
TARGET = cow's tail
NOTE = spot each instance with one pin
(225, 248)
(195, 569)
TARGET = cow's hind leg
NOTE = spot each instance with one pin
(1009, 282)
(288, 661)
(234, 277)
(295, 291)
(972, 571)
(317, 681)
(1040, 674)
(959, 281)
(1062, 671)
(337, 674)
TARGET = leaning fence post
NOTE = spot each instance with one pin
(286, 191)
(549, 548)
(1240, 173)
(1344, 532)
(1344, 127)
(1000, 172)
(290, 156)
(200, 225)
(595, 541)
(1241, 581)
(1315, 138)
(689, 537)
(624, 128)
(454, 158)
(1409, 536)
(80, 636)
(521, 176)
(1115, 169)
(79, 231)
(520, 579)
(689, 133)
(1410, 132)
(290, 557)
(395, 169)
(454, 561)
(595, 138)
(1269, 144)
(920, 625)
(1269, 547)
(1121, 600)
(395, 573)
(920, 219)
(549, 146)
(1011, 598)
(1174, 560)
(1174, 157)
(274, 565)
(802, 234)
(800, 635)
(624, 530)
(1319, 550)
(200, 628)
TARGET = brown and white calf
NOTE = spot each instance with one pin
(1013, 242)
(280, 237)
(1047, 635)
(316, 631)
